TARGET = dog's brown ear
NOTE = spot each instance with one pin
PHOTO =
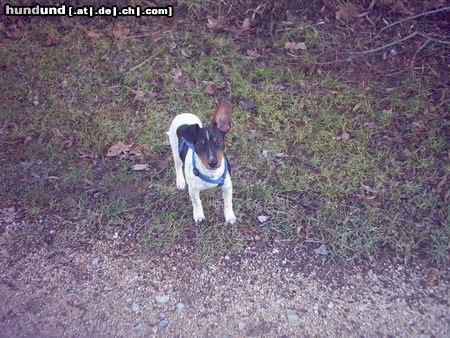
(221, 116)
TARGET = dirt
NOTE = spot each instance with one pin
(109, 288)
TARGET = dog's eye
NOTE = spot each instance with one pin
(219, 141)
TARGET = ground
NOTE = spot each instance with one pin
(339, 157)
(116, 288)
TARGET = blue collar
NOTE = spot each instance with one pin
(220, 181)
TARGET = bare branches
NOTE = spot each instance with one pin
(395, 42)
(417, 53)
(414, 17)
(390, 44)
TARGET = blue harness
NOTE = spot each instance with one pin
(220, 181)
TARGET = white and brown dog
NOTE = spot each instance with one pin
(201, 149)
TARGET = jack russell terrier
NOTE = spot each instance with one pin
(201, 149)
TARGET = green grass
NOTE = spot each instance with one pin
(86, 104)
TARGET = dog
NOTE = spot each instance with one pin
(201, 150)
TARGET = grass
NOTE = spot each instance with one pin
(373, 193)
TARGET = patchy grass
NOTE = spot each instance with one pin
(324, 160)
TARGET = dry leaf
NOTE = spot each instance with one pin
(356, 107)
(144, 96)
(13, 33)
(419, 125)
(88, 181)
(141, 167)
(215, 23)
(51, 41)
(138, 150)
(94, 35)
(430, 282)
(368, 189)
(432, 4)
(69, 202)
(344, 136)
(119, 148)
(247, 229)
(441, 184)
(244, 27)
(401, 8)
(209, 89)
(120, 31)
(346, 12)
(295, 45)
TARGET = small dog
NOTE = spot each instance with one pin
(201, 149)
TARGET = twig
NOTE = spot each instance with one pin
(393, 43)
(414, 17)
(396, 42)
(417, 52)
(139, 65)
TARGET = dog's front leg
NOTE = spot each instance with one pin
(199, 216)
(227, 192)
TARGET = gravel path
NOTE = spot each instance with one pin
(118, 289)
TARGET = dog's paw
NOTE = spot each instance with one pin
(199, 217)
(230, 219)
(181, 184)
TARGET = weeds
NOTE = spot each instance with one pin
(372, 191)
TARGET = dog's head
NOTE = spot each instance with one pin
(209, 142)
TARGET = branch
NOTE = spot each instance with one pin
(417, 53)
(393, 43)
(415, 17)
(396, 42)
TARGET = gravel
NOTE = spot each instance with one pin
(293, 316)
(161, 299)
(251, 293)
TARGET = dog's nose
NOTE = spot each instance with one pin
(212, 163)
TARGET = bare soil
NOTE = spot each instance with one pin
(108, 288)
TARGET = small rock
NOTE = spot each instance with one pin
(241, 326)
(95, 261)
(162, 315)
(140, 327)
(265, 153)
(28, 286)
(163, 323)
(179, 308)
(321, 250)
(161, 299)
(263, 218)
(135, 307)
(129, 300)
(292, 316)
(247, 104)
(281, 155)
(330, 305)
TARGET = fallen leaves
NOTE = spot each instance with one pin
(13, 33)
(247, 104)
(125, 150)
(144, 96)
(434, 4)
(220, 24)
(141, 167)
(120, 148)
(94, 35)
(401, 8)
(344, 136)
(346, 12)
(180, 80)
(293, 46)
